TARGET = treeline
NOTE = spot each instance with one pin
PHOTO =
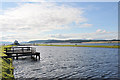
(65, 41)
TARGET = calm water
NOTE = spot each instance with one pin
(69, 62)
(110, 44)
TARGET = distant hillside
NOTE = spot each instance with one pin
(66, 41)
(23, 42)
(60, 41)
(3, 42)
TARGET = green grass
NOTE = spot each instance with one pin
(6, 66)
(99, 46)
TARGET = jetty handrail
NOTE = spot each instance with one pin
(22, 49)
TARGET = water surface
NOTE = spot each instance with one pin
(109, 44)
(69, 62)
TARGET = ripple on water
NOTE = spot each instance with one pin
(69, 62)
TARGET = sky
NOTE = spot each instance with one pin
(26, 21)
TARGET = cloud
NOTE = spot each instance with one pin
(62, 0)
(85, 25)
(33, 0)
(36, 18)
(98, 34)
(59, 36)
(101, 31)
(32, 21)
(94, 35)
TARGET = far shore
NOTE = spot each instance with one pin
(99, 46)
(103, 42)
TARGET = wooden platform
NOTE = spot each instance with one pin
(19, 51)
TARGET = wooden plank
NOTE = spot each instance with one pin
(21, 47)
(24, 53)
(19, 55)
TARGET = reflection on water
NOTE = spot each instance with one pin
(70, 62)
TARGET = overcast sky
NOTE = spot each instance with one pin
(26, 21)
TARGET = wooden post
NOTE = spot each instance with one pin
(39, 56)
(13, 50)
(28, 48)
(16, 56)
(31, 56)
(22, 50)
(13, 58)
(6, 50)
(36, 57)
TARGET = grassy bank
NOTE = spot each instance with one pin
(99, 46)
(6, 66)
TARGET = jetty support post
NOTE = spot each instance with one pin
(28, 49)
(6, 50)
(16, 56)
(13, 50)
(22, 50)
(13, 58)
(36, 57)
(31, 56)
(39, 56)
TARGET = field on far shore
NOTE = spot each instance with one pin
(103, 42)
(99, 46)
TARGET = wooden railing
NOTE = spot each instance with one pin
(21, 51)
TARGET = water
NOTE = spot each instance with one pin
(109, 44)
(69, 62)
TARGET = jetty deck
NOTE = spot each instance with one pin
(19, 51)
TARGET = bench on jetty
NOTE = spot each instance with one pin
(18, 51)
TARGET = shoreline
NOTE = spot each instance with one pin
(7, 71)
(98, 46)
(103, 42)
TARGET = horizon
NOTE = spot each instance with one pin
(61, 40)
(28, 21)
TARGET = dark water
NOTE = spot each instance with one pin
(69, 62)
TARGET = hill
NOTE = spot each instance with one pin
(69, 41)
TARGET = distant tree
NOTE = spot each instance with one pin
(16, 42)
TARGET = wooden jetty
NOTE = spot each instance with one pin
(18, 51)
